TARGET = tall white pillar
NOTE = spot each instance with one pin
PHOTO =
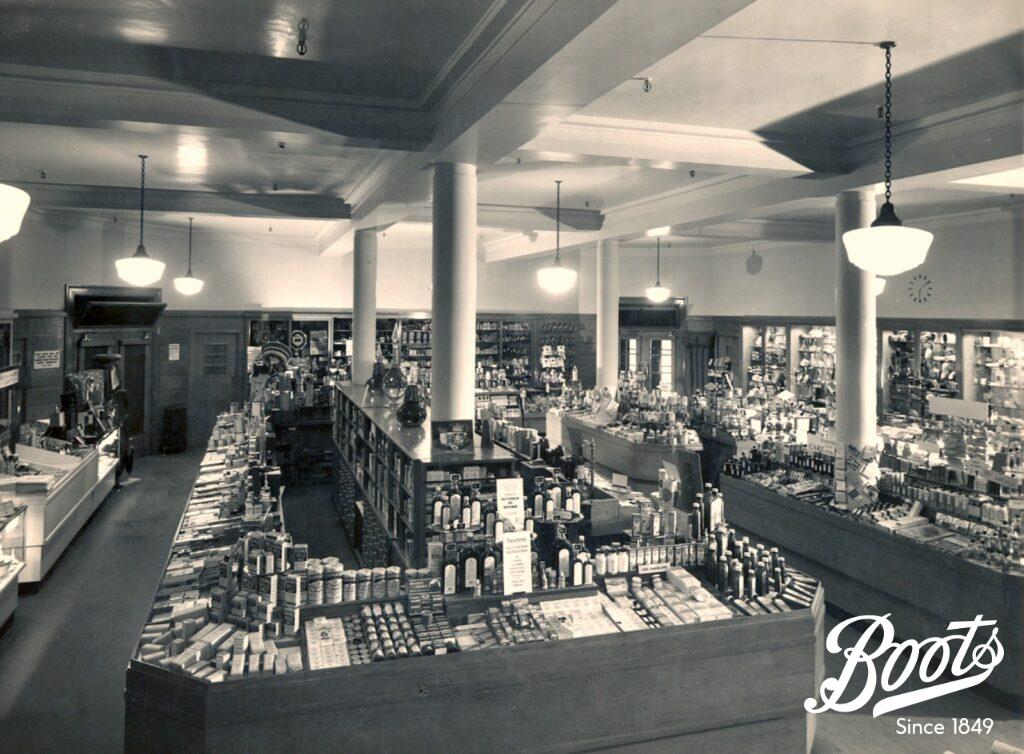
(608, 315)
(453, 329)
(856, 332)
(364, 305)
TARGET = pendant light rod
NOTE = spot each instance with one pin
(558, 221)
(189, 246)
(142, 197)
(658, 264)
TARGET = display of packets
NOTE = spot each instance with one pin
(326, 643)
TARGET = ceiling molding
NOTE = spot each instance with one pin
(508, 217)
(277, 205)
(674, 147)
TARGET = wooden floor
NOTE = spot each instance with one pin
(62, 661)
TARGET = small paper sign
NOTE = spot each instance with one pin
(510, 502)
(46, 359)
(820, 444)
(515, 563)
(619, 480)
(174, 351)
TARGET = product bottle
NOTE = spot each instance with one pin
(469, 567)
(450, 570)
(490, 560)
(564, 557)
(697, 521)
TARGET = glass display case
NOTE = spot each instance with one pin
(813, 375)
(915, 365)
(12, 556)
(766, 358)
(994, 370)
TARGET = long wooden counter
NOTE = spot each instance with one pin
(735, 686)
(640, 461)
(866, 569)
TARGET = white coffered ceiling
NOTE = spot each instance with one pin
(745, 132)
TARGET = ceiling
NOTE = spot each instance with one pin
(759, 110)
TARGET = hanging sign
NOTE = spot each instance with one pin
(515, 563)
(9, 376)
(46, 359)
(510, 503)
(940, 406)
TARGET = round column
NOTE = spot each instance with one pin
(364, 305)
(453, 329)
(608, 315)
(856, 336)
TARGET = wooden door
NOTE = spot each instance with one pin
(213, 381)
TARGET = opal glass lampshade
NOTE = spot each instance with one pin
(139, 269)
(13, 205)
(556, 278)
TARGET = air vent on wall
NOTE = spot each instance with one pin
(641, 313)
(108, 306)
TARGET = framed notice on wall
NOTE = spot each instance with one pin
(46, 359)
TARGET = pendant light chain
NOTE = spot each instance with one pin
(190, 246)
(142, 198)
(558, 220)
(887, 46)
(658, 276)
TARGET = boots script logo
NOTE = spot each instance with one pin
(969, 657)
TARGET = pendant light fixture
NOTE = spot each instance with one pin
(556, 278)
(879, 285)
(140, 269)
(13, 206)
(658, 293)
(189, 285)
(888, 247)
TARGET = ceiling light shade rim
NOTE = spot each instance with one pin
(13, 206)
(658, 294)
(139, 270)
(189, 285)
(887, 250)
(556, 278)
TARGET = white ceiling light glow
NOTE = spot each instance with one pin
(556, 278)
(664, 230)
(887, 247)
(189, 285)
(658, 293)
(140, 269)
(13, 206)
(879, 285)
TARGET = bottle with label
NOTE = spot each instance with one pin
(450, 570)
(564, 557)
(490, 562)
(469, 567)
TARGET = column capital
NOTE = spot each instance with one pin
(462, 168)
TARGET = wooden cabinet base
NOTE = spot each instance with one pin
(867, 570)
(732, 686)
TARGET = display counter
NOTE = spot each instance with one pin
(640, 461)
(247, 649)
(869, 569)
(12, 558)
(60, 499)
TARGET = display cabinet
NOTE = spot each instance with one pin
(813, 369)
(916, 364)
(341, 340)
(765, 350)
(994, 370)
(12, 556)
(385, 473)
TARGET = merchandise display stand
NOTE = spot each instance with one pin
(388, 467)
(862, 565)
(56, 514)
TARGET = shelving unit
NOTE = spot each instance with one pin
(916, 364)
(341, 334)
(994, 370)
(390, 469)
(766, 350)
(813, 375)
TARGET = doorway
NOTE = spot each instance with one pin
(213, 381)
(652, 357)
(135, 369)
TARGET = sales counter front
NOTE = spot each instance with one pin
(60, 495)
(867, 569)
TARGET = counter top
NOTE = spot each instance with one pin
(415, 442)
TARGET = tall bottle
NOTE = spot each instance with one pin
(469, 567)
(450, 570)
(564, 557)
(490, 562)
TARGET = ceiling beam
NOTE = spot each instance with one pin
(769, 229)
(87, 99)
(667, 146)
(571, 53)
(304, 206)
(509, 217)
